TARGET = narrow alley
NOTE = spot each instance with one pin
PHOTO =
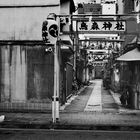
(95, 106)
(95, 98)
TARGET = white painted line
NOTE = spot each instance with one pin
(68, 102)
(95, 103)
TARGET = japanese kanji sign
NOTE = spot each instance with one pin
(101, 25)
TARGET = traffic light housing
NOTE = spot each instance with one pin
(50, 31)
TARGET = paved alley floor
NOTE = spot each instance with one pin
(79, 101)
(94, 98)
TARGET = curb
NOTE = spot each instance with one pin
(59, 126)
(62, 108)
(98, 127)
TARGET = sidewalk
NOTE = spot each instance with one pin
(122, 109)
(80, 118)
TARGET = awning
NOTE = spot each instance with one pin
(135, 40)
(66, 46)
(65, 39)
(133, 55)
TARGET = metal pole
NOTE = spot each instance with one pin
(57, 85)
(55, 99)
(55, 90)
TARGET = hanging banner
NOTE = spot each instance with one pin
(98, 63)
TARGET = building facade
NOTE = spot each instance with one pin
(129, 66)
(27, 71)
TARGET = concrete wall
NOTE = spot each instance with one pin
(128, 6)
(28, 2)
(120, 7)
(65, 10)
(26, 71)
(109, 9)
(23, 20)
(13, 73)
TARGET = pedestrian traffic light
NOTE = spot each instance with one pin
(50, 31)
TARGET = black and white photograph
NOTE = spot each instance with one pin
(69, 69)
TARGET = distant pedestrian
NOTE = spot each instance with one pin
(124, 96)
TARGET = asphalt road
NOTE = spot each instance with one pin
(41, 134)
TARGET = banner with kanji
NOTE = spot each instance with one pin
(101, 25)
